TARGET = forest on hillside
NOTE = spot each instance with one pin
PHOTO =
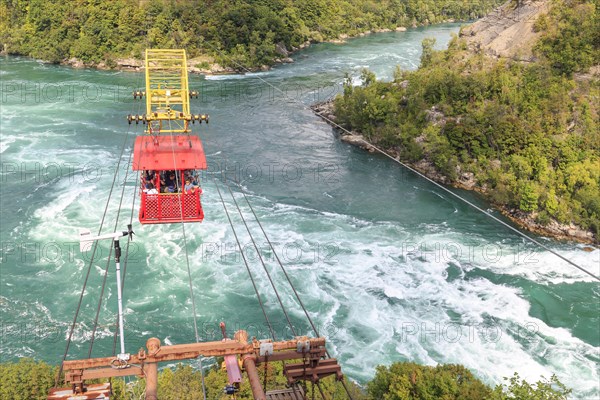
(240, 33)
(527, 131)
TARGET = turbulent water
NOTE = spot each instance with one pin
(389, 266)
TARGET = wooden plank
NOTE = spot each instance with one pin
(286, 394)
(99, 391)
(111, 372)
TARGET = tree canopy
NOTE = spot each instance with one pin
(234, 33)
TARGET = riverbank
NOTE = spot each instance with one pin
(466, 181)
(206, 65)
(203, 65)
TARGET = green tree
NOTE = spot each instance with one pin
(519, 389)
(571, 40)
(427, 51)
(529, 197)
(367, 77)
(26, 380)
(409, 381)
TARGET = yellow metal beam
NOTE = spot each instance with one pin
(167, 91)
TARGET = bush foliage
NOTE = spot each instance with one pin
(409, 381)
(30, 380)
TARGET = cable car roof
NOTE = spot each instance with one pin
(168, 152)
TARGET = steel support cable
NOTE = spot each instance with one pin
(422, 175)
(94, 248)
(515, 230)
(281, 265)
(111, 247)
(187, 260)
(321, 390)
(290, 282)
(100, 302)
(300, 301)
(126, 258)
(110, 254)
(263, 263)
(518, 232)
(245, 262)
(180, 204)
(268, 275)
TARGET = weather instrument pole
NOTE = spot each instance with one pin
(85, 242)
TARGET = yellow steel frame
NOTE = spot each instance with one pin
(167, 92)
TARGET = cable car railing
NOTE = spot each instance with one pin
(160, 208)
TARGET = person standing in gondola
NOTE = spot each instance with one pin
(170, 183)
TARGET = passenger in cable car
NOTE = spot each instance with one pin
(169, 184)
(192, 175)
(150, 189)
(189, 176)
(147, 177)
(149, 174)
(189, 188)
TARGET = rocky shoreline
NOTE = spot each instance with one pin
(202, 65)
(135, 65)
(466, 181)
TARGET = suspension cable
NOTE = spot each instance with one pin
(109, 256)
(245, 262)
(135, 186)
(263, 263)
(268, 275)
(100, 302)
(281, 265)
(518, 232)
(300, 301)
(488, 214)
(94, 248)
(290, 282)
(187, 260)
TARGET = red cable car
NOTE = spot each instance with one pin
(165, 198)
(167, 154)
